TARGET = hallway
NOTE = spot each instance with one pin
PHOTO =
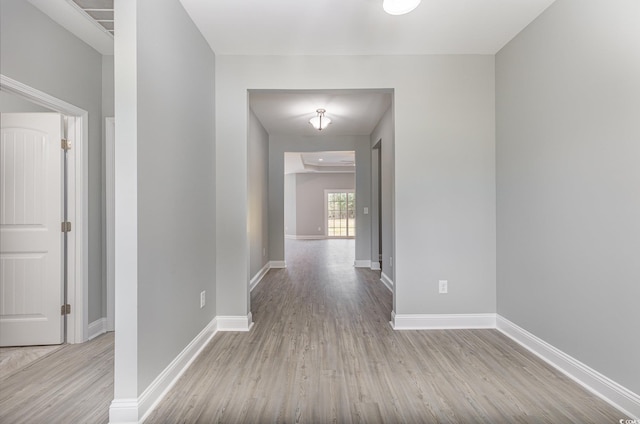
(322, 350)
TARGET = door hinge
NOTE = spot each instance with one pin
(65, 309)
(66, 227)
(65, 144)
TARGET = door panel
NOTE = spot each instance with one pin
(31, 283)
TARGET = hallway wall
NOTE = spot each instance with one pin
(568, 179)
(444, 159)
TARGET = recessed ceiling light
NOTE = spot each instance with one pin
(320, 160)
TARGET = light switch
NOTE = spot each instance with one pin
(366, 210)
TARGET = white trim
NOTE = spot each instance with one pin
(610, 391)
(442, 321)
(78, 206)
(386, 281)
(110, 216)
(375, 266)
(97, 328)
(259, 276)
(123, 411)
(277, 264)
(362, 263)
(75, 20)
(153, 394)
(235, 323)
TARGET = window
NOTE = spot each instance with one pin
(341, 213)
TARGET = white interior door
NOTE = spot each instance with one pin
(31, 241)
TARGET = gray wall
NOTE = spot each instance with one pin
(40, 53)
(290, 224)
(444, 120)
(176, 184)
(278, 145)
(258, 168)
(568, 178)
(384, 134)
(10, 102)
(310, 201)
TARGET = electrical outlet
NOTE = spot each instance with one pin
(390, 261)
(203, 299)
(443, 287)
(264, 251)
(319, 228)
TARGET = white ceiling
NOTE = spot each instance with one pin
(352, 112)
(360, 27)
(324, 162)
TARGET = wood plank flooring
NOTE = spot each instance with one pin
(321, 351)
(74, 384)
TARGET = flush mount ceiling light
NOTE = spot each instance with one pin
(320, 122)
(399, 7)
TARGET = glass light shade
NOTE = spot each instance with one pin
(320, 122)
(399, 7)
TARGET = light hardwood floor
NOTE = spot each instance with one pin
(321, 351)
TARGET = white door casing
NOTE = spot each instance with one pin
(31, 212)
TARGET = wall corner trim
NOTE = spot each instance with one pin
(235, 322)
(97, 328)
(362, 263)
(154, 393)
(259, 276)
(278, 264)
(610, 391)
(386, 281)
(443, 321)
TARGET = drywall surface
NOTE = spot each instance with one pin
(444, 183)
(382, 140)
(310, 200)
(258, 168)
(568, 178)
(176, 184)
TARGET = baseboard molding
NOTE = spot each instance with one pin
(386, 281)
(610, 391)
(375, 266)
(259, 276)
(127, 411)
(314, 237)
(153, 394)
(362, 263)
(277, 264)
(235, 322)
(97, 328)
(442, 321)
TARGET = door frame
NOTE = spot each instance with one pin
(77, 198)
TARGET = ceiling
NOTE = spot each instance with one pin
(287, 112)
(328, 27)
(360, 27)
(323, 162)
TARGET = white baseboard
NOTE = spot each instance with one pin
(123, 411)
(278, 264)
(96, 328)
(127, 411)
(313, 237)
(259, 276)
(362, 263)
(600, 385)
(386, 281)
(153, 394)
(375, 266)
(442, 321)
(235, 322)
